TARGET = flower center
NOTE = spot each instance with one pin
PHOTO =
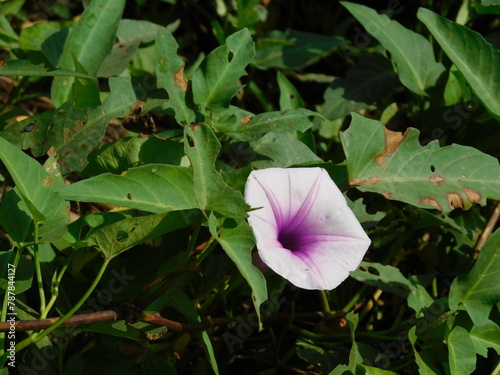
(289, 240)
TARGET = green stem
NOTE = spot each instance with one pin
(496, 371)
(325, 306)
(38, 271)
(35, 337)
(194, 236)
(355, 299)
(55, 287)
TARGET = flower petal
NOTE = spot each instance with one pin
(304, 229)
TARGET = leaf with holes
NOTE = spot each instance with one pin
(479, 290)
(210, 190)
(259, 125)
(398, 167)
(390, 279)
(216, 81)
(170, 75)
(35, 196)
(153, 188)
(74, 132)
(122, 235)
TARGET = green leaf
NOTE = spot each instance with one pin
(371, 79)
(128, 152)
(421, 359)
(478, 290)
(15, 217)
(23, 272)
(395, 165)
(476, 59)
(462, 355)
(170, 75)
(210, 190)
(90, 41)
(34, 186)
(8, 36)
(238, 241)
(281, 150)
(216, 81)
(390, 279)
(259, 125)
(74, 132)
(412, 53)
(130, 33)
(85, 92)
(26, 68)
(291, 49)
(113, 239)
(153, 188)
(289, 96)
(486, 336)
(183, 304)
(366, 219)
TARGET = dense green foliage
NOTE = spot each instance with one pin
(128, 130)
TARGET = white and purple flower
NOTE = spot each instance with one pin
(304, 229)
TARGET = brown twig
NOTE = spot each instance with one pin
(488, 230)
(131, 314)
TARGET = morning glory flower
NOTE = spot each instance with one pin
(304, 229)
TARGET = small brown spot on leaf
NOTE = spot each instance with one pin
(392, 142)
(437, 179)
(455, 200)
(387, 195)
(430, 202)
(179, 79)
(474, 196)
(373, 180)
(193, 126)
(245, 121)
(47, 180)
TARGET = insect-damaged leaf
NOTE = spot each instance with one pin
(397, 166)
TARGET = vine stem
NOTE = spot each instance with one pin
(55, 287)
(35, 337)
(38, 271)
